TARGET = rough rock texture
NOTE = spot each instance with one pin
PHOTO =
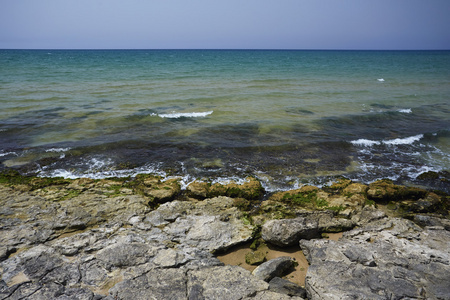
(229, 282)
(288, 232)
(274, 268)
(105, 242)
(309, 225)
(284, 286)
(250, 189)
(386, 259)
(255, 257)
(124, 239)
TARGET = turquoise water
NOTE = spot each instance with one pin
(287, 117)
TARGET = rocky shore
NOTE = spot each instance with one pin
(145, 238)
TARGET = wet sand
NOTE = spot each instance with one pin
(236, 256)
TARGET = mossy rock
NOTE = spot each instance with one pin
(341, 184)
(430, 204)
(242, 204)
(163, 191)
(270, 210)
(385, 190)
(251, 189)
(14, 178)
(198, 189)
(255, 257)
(154, 188)
(287, 196)
(430, 175)
(355, 188)
(305, 198)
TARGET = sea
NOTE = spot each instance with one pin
(286, 117)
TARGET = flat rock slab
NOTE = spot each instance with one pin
(227, 282)
(156, 284)
(386, 259)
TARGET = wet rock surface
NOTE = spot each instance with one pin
(144, 238)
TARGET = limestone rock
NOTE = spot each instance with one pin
(270, 295)
(162, 191)
(274, 268)
(425, 220)
(125, 254)
(156, 284)
(379, 262)
(100, 239)
(284, 286)
(250, 189)
(356, 188)
(228, 282)
(288, 232)
(198, 189)
(385, 190)
(329, 223)
(169, 258)
(209, 232)
(367, 215)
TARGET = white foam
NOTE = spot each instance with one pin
(8, 153)
(228, 180)
(365, 142)
(405, 110)
(404, 141)
(380, 79)
(57, 150)
(98, 169)
(175, 115)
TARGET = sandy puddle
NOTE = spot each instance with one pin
(236, 256)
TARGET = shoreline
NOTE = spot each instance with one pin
(120, 235)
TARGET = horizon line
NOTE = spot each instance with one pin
(229, 49)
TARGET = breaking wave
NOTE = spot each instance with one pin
(399, 141)
(177, 115)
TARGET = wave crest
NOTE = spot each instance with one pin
(175, 115)
(399, 141)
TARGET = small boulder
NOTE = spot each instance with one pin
(198, 189)
(288, 232)
(255, 257)
(276, 267)
(385, 190)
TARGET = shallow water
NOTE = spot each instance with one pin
(287, 117)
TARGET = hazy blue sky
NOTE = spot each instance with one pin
(268, 24)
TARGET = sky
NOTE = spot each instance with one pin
(230, 24)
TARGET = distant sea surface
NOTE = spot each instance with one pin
(287, 117)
